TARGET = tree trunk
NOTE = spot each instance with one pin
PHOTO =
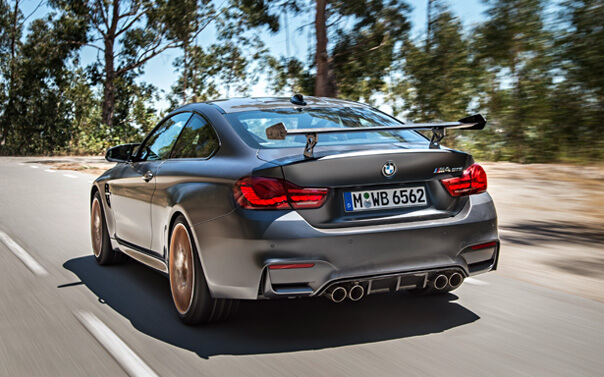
(110, 73)
(194, 85)
(322, 87)
(429, 26)
(184, 74)
(109, 85)
(516, 124)
(13, 70)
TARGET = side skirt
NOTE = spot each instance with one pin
(143, 256)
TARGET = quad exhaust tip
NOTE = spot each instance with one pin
(337, 294)
(455, 280)
(440, 282)
(356, 292)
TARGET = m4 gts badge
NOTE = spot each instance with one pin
(447, 170)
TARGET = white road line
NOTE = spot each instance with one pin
(474, 281)
(132, 364)
(50, 171)
(70, 176)
(30, 262)
(34, 166)
(21, 163)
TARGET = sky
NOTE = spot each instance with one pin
(160, 70)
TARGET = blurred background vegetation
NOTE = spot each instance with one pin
(534, 68)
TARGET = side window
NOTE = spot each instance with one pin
(198, 140)
(160, 142)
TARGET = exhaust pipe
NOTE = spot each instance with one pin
(356, 292)
(337, 294)
(440, 282)
(455, 280)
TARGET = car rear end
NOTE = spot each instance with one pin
(363, 216)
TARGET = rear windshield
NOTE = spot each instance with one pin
(252, 125)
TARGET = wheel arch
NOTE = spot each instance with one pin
(176, 212)
(173, 218)
(93, 191)
(97, 187)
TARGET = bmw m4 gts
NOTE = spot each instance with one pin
(266, 198)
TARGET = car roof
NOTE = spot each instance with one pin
(235, 105)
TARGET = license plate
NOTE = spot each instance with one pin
(382, 199)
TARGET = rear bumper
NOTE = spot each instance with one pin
(236, 250)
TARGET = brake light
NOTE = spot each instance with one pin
(276, 193)
(472, 181)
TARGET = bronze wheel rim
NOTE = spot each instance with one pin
(96, 227)
(181, 268)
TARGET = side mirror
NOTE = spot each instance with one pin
(121, 153)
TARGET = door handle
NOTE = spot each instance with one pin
(148, 176)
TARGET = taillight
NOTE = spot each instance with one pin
(276, 193)
(472, 181)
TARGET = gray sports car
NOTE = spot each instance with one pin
(263, 198)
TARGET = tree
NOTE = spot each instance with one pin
(186, 19)
(437, 81)
(38, 111)
(11, 26)
(288, 75)
(512, 47)
(127, 34)
(579, 99)
(325, 85)
(231, 63)
(364, 36)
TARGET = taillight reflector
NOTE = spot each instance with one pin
(276, 193)
(290, 266)
(484, 245)
(472, 181)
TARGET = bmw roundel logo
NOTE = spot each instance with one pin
(389, 169)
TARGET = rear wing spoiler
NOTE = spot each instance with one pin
(279, 131)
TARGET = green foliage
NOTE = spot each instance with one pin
(288, 76)
(37, 115)
(256, 13)
(365, 46)
(438, 82)
(226, 68)
(88, 135)
(537, 83)
(364, 39)
(579, 100)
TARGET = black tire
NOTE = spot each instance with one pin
(101, 245)
(188, 286)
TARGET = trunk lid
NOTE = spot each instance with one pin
(357, 176)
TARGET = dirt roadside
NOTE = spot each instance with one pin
(551, 221)
(551, 225)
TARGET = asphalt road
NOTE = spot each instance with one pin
(63, 315)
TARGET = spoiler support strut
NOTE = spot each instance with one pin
(311, 141)
(437, 135)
